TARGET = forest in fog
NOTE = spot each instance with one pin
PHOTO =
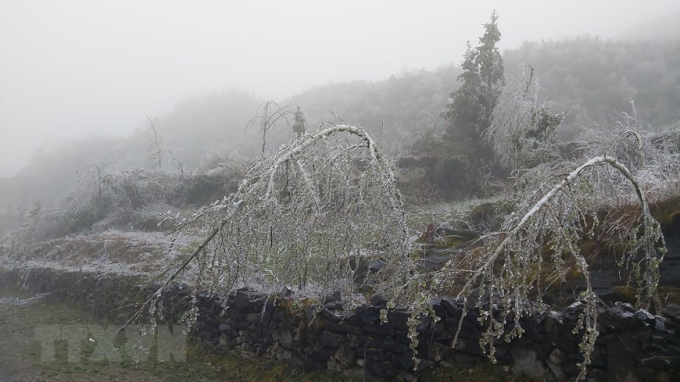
(510, 182)
(590, 79)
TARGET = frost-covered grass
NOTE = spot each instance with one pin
(117, 252)
(444, 214)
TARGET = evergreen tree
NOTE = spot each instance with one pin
(299, 123)
(470, 107)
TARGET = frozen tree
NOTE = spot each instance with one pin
(470, 107)
(155, 149)
(506, 274)
(269, 116)
(522, 131)
(299, 123)
(305, 217)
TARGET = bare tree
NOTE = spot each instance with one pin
(269, 116)
(156, 150)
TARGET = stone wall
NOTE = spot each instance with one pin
(633, 345)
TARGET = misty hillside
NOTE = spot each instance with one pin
(208, 122)
(404, 102)
(593, 79)
(261, 191)
(661, 28)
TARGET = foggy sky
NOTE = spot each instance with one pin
(76, 68)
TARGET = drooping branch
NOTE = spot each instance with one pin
(300, 215)
(559, 220)
(549, 197)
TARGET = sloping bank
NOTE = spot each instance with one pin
(633, 345)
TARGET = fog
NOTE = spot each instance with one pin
(77, 68)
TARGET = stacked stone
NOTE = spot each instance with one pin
(633, 344)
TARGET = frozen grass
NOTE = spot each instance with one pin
(448, 214)
(109, 252)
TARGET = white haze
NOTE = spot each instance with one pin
(77, 68)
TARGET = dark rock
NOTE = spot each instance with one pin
(286, 292)
(439, 351)
(621, 358)
(672, 311)
(376, 266)
(394, 347)
(558, 357)
(382, 369)
(309, 312)
(656, 375)
(352, 318)
(571, 314)
(248, 302)
(378, 300)
(556, 370)
(526, 363)
(553, 323)
(345, 355)
(285, 336)
(343, 328)
(470, 346)
(358, 340)
(645, 316)
(659, 324)
(571, 368)
(380, 330)
(269, 310)
(54, 297)
(620, 318)
(375, 355)
(224, 327)
(466, 360)
(330, 316)
(332, 297)
(253, 318)
(320, 353)
(398, 319)
(370, 315)
(451, 306)
(406, 361)
(331, 340)
(405, 376)
(503, 354)
(334, 306)
(565, 344)
(658, 361)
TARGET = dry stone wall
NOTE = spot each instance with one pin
(633, 345)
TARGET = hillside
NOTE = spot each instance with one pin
(662, 28)
(593, 79)
(406, 103)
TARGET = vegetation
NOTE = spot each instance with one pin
(320, 205)
(470, 109)
(592, 79)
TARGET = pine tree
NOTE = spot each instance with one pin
(299, 123)
(470, 109)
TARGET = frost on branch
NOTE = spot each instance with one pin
(540, 244)
(304, 217)
(522, 130)
(300, 215)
